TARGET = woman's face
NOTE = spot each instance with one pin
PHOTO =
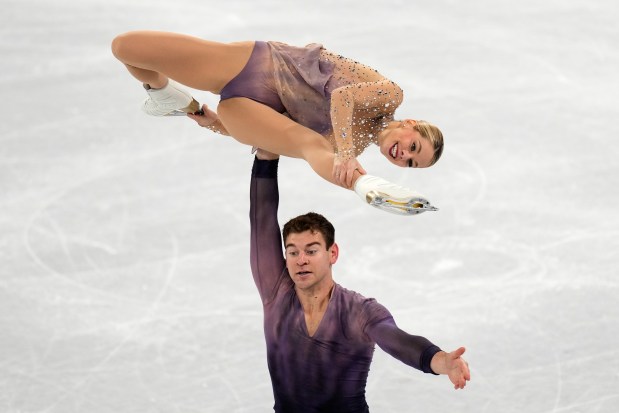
(405, 147)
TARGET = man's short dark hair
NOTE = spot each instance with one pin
(310, 222)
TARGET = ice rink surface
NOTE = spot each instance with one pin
(124, 275)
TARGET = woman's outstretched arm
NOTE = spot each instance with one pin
(356, 104)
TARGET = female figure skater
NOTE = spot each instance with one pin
(301, 102)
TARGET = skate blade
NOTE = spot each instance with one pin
(193, 107)
(410, 206)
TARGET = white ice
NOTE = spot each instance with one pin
(124, 276)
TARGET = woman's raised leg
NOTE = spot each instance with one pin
(152, 57)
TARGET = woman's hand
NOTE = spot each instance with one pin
(207, 119)
(344, 171)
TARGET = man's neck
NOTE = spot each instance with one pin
(317, 298)
(315, 304)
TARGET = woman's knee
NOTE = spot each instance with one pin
(121, 44)
(127, 45)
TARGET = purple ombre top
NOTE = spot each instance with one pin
(328, 371)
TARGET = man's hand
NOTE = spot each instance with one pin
(453, 365)
(265, 155)
(344, 171)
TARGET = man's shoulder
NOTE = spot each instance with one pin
(349, 293)
(282, 292)
(366, 311)
(354, 297)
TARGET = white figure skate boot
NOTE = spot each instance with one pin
(390, 197)
(170, 100)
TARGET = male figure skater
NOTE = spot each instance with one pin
(320, 336)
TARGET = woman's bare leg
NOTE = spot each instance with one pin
(152, 57)
(254, 124)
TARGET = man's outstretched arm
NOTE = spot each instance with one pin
(420, 353)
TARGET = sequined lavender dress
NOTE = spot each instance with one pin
(326, 372)
(298, 81)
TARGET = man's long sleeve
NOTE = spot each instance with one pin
(266, 254)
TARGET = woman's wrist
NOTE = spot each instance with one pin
(345, 154)
(211, 124)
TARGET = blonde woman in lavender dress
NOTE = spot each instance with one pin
(301, 102)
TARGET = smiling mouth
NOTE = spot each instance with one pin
(394, 150)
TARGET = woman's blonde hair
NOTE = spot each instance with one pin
(433, 135)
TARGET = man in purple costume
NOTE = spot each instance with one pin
(320, 336)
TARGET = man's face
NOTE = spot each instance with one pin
(308, 260)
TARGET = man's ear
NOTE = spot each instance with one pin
(334, 253)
